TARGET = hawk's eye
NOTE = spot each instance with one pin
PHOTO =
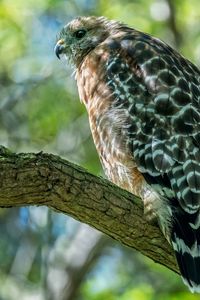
(79, 33)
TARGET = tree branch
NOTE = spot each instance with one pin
(46, 179)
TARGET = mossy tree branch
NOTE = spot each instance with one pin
(46, 179)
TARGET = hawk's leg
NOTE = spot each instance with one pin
(157, 210)
(149, 201)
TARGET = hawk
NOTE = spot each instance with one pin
(143, 102)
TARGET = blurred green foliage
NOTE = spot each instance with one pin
(40, 110)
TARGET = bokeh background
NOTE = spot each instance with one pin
(45, 255)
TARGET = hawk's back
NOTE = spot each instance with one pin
(143, 99)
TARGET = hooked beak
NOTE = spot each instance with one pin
(59, 47)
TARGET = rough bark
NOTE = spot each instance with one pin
(46, 179)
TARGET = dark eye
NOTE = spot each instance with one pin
(79, 33)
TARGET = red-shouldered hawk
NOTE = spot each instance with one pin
(143, 101)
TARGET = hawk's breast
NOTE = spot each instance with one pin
(108, 125)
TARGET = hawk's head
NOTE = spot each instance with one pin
(81, 35)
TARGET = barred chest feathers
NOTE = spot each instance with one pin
(143, 100)
(109, 125)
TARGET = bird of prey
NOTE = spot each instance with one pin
(143, 102)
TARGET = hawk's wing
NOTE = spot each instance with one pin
(161, 91)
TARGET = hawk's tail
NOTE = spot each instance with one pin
(186, 243)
